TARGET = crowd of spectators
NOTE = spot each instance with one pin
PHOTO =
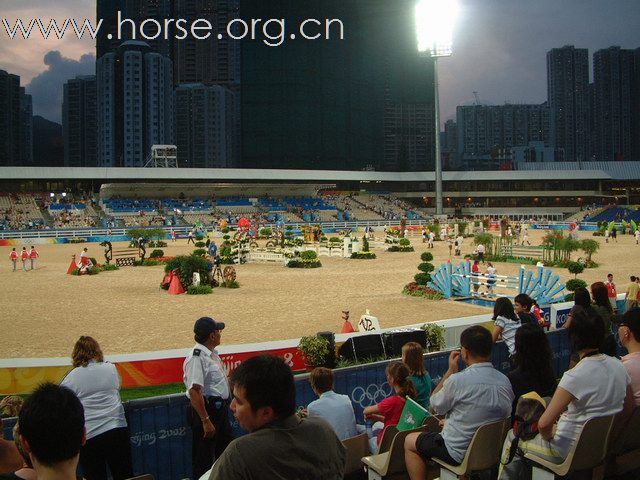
(82, 420)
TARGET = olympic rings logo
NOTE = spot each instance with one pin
(373, 394)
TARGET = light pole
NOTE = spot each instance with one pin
(434, 28)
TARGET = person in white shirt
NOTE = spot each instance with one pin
(491, 274)
(481, 250)
(507, 323)
(97, 385)
(597, 386)
(333, 407)
(209, 394)
(477, 395)
(629, 335)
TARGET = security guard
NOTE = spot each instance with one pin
(208, 391)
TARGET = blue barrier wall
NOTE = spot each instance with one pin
(161, 438)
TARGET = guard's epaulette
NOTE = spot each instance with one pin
(196, 352)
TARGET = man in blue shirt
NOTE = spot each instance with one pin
(213, 249)
(333, 407)
(477, 395)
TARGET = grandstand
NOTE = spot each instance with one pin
(185, 196)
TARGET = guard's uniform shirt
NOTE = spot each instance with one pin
(204, 367)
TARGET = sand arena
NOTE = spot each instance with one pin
(45, 310)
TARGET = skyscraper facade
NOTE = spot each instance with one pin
(613, 76)
(322, 104)
(138, 11)
(135, 104)
(80, 122)
(568, 99)
(26, 128)
(16, 122)
(482, 128)
(205, 134)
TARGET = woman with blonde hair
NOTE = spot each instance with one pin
(413, 358)
(97, 385)
(389, 410)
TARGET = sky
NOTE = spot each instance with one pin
(499, 47)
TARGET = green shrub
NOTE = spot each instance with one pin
(265, 232)
(160, 243)
(575, 268)
(200, 244)
(199, 252)
(435, 336)
(398, 248)
(404, 242)
(426, 267)
(187, 264)
(294, 263)
(363, 255)
(568, 297)
(422, 278)
(199, 236)
(199, 290)
(308, 255)
(232, 284)
(335, 240)
(151, 263)
(93, 260)
(109, 267)
(365, 244)
(226, 237)
(574, 283)
(225, 230)
(156, 254)
(426, 256)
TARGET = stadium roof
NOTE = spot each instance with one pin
(596, 171)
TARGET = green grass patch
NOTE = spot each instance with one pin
(152, 391)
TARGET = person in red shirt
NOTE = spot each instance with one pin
(24, 256)
(475, 271)
(14, 258)
(390, 409)
(33, 255)
(611, 292)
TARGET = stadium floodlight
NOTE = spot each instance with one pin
(434, 28)
(435, 20)
(52, 194)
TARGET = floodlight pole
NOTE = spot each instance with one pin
(438, 159)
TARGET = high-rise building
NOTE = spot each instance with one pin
(635, 106)
(613, 75)
(26, 128)
(322, 104)
(205, 126)
(211, 61)
(16, 122)
(138, 11)
(79, 122)
(567, 91)
(483, 130)
(135, 104)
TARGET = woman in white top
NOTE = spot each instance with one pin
(97, 385)
(597, 386)
(507, 323)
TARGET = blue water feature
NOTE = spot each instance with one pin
(482, 302)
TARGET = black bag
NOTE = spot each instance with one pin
(529, 409)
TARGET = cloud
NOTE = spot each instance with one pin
(46, 87)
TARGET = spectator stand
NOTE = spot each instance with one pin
(160, 437)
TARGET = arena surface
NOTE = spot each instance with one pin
(45, 310)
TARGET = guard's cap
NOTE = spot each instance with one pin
(205, 325)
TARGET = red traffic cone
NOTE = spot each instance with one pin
(176, 287)
(72, 266)
(167, 278)
(347, 327)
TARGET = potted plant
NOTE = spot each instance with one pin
(435, 336)
(314, 350)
